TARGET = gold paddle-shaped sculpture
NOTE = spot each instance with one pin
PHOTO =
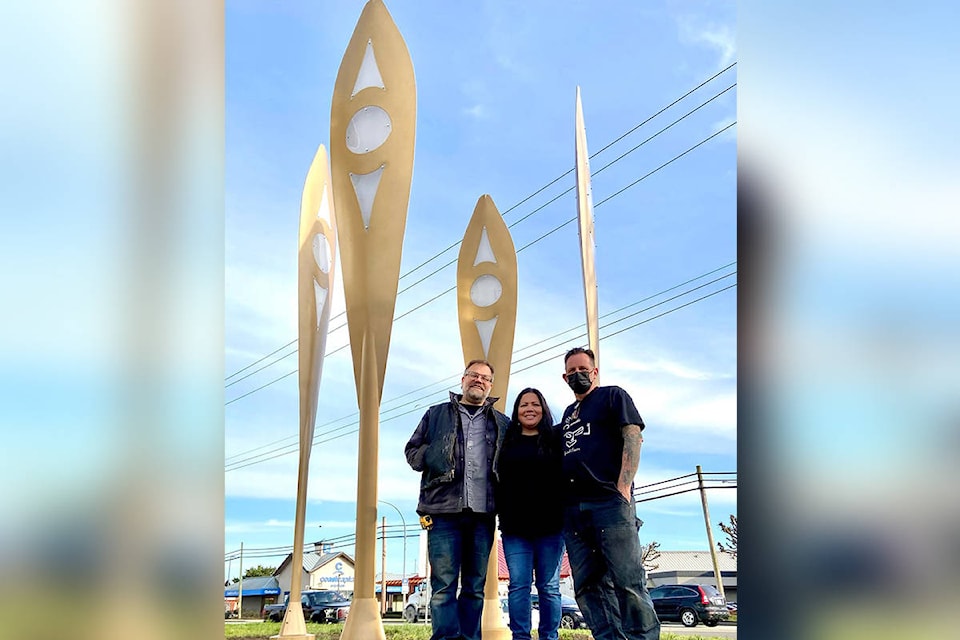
(372, 127)
(487, 307)
(316, 259)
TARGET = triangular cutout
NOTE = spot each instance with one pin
(365, 185)
(485, 329)
(484, 250)
(320, 253)
(369, 75)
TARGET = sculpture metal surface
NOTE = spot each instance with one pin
(487, 309)
(585, 219)
(372, 130)
(316, 259)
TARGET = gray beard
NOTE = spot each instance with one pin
(475, 396)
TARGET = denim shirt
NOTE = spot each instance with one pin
(475, 460)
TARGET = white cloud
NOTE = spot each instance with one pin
(720, 38)
(685, 408)
(730, 135)
(475, 93)
(477, 111)
(659, 365)
(271, 524)
(714, 414)
(278, 523)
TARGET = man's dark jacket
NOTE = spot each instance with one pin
(436, 450)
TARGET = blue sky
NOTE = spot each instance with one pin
(496, 86)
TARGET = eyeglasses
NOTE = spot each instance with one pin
(473, 375)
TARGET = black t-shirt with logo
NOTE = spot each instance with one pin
(591, 441)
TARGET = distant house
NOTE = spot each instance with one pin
(396, 596)
(256, 592)
(323, 571)
(694, 567)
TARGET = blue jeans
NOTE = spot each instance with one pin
(459, 546)
(608, 576)
(526, 557)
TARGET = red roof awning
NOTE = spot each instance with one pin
(502, 572)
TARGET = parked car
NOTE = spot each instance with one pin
(505, 609)
(689, 604)
(318, 606)
(570, 616)
(415, 608)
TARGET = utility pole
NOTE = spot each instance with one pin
(240, 587)
(426, 614)
(383, 565)
(403, 579)
(706, 519)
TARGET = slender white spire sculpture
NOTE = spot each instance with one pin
(585, 218)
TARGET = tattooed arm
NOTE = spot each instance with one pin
(631, 459)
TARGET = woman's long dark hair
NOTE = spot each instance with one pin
(544, 427)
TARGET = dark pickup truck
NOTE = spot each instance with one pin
(318, 606)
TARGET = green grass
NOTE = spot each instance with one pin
(259, 630)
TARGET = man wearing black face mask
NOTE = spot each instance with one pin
(600, 441)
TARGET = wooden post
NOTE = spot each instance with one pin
(240, 587)
(383, 565)
(713, 547)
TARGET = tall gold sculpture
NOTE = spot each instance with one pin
(316, 259)
(487, 308)
(372, 127)
(585, 217)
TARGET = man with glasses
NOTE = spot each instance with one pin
(600, 443)
(455, 447)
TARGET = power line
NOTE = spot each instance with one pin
(453, 377)
(555, 229)
(668, 495)
(593, 174)
(653, 306)
(633, 326)
(621, 157)
(593, 155)
(540, 190)
(339, 542)
(541, 207)
(261, 359)
(448, 378)
(318, 439)
(405, 530)
(258, 370)
(632, 304)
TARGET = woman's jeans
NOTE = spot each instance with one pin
(526, 558)
(459, 546)
(608, 575)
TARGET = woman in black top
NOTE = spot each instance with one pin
(531, 515)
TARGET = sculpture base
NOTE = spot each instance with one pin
(293, 626)
(363, 621)
(491, 624)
